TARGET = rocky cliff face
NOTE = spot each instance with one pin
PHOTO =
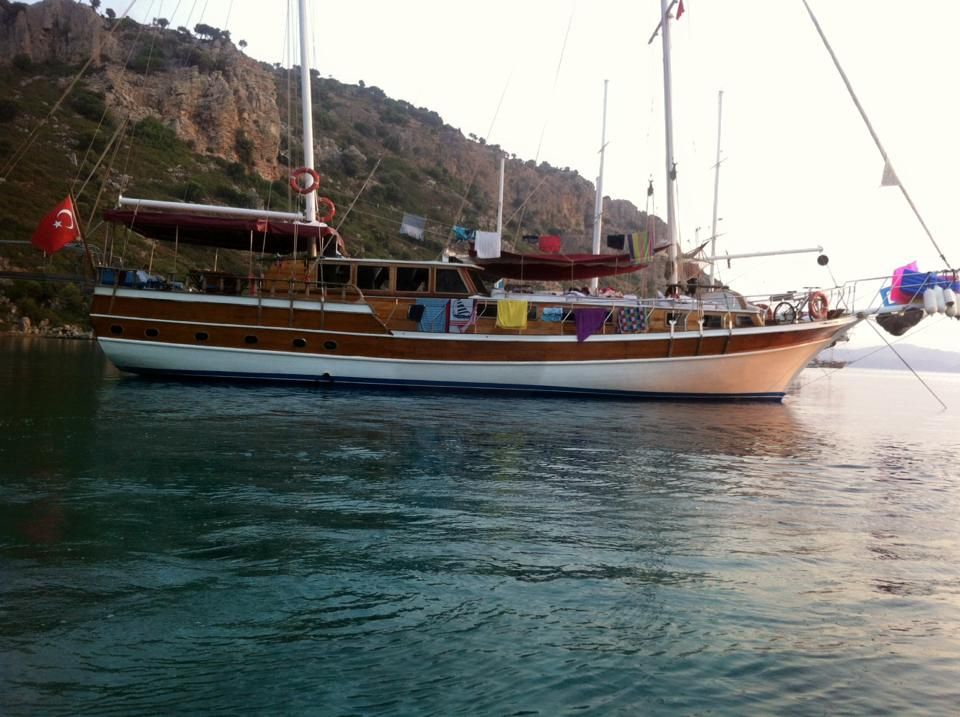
(53, 31)
(216, 112)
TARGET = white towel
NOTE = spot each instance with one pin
(487, 245)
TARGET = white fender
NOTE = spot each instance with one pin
(950, 299)
(941, 301)
(929, 301)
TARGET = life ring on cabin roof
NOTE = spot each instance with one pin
(819, 305)
(295, 180)
(331, 209)
(766, 311)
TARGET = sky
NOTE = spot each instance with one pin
(798, 168)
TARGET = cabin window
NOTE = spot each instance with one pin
(299, 343)
(330, 345)
(116, 329)
(373, 278)
(337, 274)
(249, 339)
(449, 281)
(152, 333)
(201, 336)
(412, 278)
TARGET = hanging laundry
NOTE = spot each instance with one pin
(512, 314)
(532, 239)
(639, 247)
(487, 245)
(464, 234)
(552, 313)
(463, 315)
(615, 241)
(413, 226)
(549, 244)
(632, 320)
(434, 318)
(589, 322)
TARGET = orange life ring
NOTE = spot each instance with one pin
(819, 305)
(331, 209)
(295, 180)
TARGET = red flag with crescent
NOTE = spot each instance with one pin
(57, 229)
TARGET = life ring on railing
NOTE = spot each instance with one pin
(331, 209)
(819, 305)
(295, 180)
(767, 312)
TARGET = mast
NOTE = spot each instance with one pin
(500, 200)
(668, 136)
(310, 211)
(598, 203)
(716, 186)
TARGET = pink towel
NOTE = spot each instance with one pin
(896, 295)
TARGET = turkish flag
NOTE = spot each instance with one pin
(57, 229)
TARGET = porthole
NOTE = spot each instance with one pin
(249, 339)
(201, 336)
(299, 343)
(330, 345)
(116, 329)
(152, 333)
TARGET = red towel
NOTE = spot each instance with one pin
(550, 244)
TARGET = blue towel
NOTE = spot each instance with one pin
(434, 319)
(552, 313)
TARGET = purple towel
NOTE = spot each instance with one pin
(589, 322)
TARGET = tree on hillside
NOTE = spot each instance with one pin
(242, 44)
(95, 4)
(207, 32)
(111, 14)
(161, 22)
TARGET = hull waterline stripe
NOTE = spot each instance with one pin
(464, 385)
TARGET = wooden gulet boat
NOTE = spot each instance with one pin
(337, 320)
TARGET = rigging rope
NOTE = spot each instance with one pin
(543, 130)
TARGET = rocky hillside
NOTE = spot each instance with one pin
(183, 114)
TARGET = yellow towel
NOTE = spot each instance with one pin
(512, 314)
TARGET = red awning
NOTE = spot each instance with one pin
(270, 236)
(556, 267)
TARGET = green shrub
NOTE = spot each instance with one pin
(23, 63)
(8, 110)
(91, 105)
(191, 192)
(245, 148)
(96, 141)
(152, 133)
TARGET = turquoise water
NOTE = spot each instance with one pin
(221, 549)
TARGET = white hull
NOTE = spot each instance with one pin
(760, 374)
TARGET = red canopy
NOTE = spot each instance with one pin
(271, 236)
(556, 267)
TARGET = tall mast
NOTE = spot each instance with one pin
(310, 212)
(668, 136)
(716, 186)
(598, 204)
(500, 199)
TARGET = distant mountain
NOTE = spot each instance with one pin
(919, 358)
